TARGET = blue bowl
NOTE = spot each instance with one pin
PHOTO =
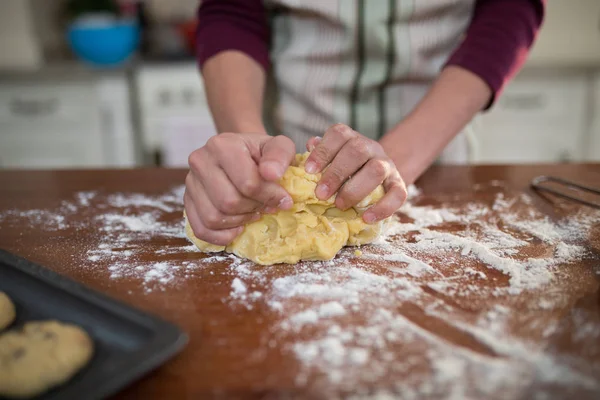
(108, 44)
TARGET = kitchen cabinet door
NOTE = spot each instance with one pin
(173, 106)
(68, 124)
(540, 118)
(48, 125)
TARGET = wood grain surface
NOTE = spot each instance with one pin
(237, 352)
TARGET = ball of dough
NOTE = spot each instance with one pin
(312, 229)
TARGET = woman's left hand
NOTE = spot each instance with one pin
(356, 165)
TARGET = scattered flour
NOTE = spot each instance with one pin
(353, 321)
(238, 287)
(495, 239)
(48, 220)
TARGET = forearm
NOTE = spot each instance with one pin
(453, 100)
(235, 85)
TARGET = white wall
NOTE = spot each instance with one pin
(570, 35)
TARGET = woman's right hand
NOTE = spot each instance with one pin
(232, 179)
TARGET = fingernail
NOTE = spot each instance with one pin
(270, 210)
(286, 203)
(314, 143)
(369, 217)
(322, 191)
(279, 170)
(310, 167)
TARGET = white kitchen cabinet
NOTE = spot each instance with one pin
(175, 118)
(540, 118)
(66, 124)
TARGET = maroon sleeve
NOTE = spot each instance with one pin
(233, 25)
(498, 40)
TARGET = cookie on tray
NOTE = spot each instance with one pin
(41, 356)
(7, 311)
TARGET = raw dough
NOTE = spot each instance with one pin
(312, 230)
(41, 356)
(7, 311)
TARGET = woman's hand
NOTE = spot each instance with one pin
(232, 179)
(355, 166)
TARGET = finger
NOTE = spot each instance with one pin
(211, 217)
(222, 192)
(205, 168)
(393, 199)
(190, 211)
(371, 175)
(216, 237)
(277, 154)
(334, 139)
(243, 172)
(313, 142)
(350, 159)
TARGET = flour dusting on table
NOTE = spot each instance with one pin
(401, 310)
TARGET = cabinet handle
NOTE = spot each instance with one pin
(164, 98)
(33, 108)
(524, 102)
(565, 156)
(188, 96)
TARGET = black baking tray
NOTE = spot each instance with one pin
(128, 343)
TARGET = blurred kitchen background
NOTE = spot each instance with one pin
(141, 102)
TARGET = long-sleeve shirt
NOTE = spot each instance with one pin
(387, 52)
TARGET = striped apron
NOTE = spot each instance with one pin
(362, 63)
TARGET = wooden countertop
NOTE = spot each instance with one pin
(481, 342)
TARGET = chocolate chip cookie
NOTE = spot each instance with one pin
(7, 311)
(41, 356)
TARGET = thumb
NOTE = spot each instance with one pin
(277, 154)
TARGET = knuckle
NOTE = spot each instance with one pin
(342, 130)
(195, 159)
(213, 220)
(250, 187)
(360, 146)
(284, 140)
(379, 168)
(219, 141)
(214, 141)
(230, 205)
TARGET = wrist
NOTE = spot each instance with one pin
(410, 151)
(244, 128)
(252, 131)
(453, 100)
